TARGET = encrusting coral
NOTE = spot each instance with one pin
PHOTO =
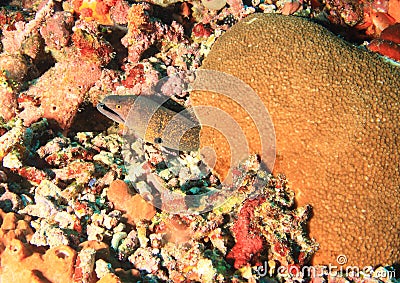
(134, 205)
(335, 109)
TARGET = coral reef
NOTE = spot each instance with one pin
(143, 33)
(347, 12)
(358, 20)
(70, 215)
(377, 16)
(284, 235)
(346, 168)
(56, 31)
(67, 213)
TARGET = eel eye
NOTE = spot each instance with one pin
(158, 140)
(118, 106)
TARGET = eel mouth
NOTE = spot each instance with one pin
(106, 111)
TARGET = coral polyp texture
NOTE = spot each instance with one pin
(336, 112)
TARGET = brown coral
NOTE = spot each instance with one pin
(24, 262)
(13, 226)
(56, 265)
(335, 110)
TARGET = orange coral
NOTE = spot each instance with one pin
(394, 10)
(22, 262)
(97, 10)
(134, 206)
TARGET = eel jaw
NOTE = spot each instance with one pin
(108, 112)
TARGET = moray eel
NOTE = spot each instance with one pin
(156, 119)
